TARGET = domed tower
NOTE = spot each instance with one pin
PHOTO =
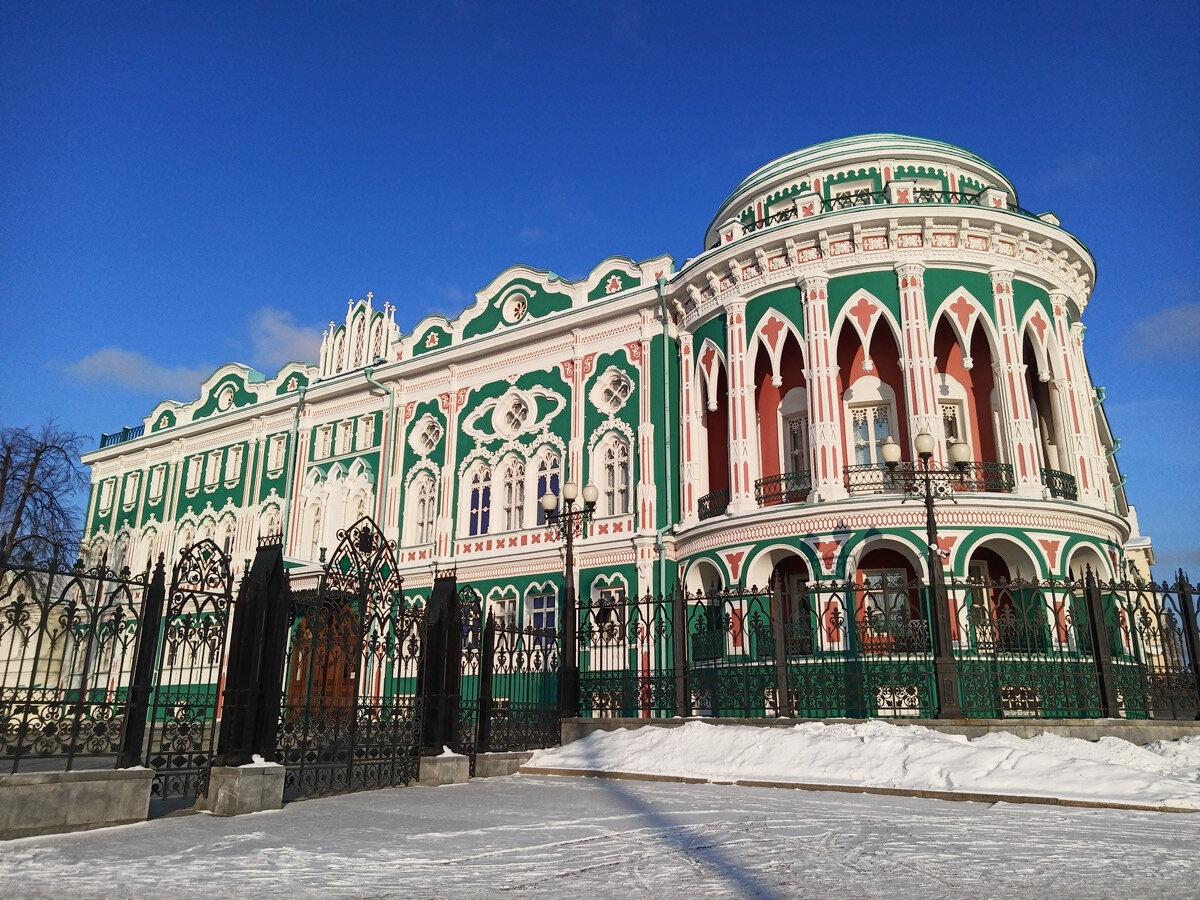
(882, 300)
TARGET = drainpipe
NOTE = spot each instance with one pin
(668, 468)
(386, 455)
(291, 476)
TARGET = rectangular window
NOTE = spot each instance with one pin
(887, 607)
(345, 437)
(212, 474)
(952, 419)
(194, 465)
(366, 432)
(132, 482)
(324, 441)
(106, 495)
(505, 611)
(870, 427)
(796, 432)
(158, 475)
(276, 453)
(543, 616)
(233, 465)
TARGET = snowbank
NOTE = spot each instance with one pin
(881, 755)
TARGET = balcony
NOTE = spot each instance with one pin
(119, 437)
(1061, 484)
(712, 505)
(907, 478)
(790, 487)
(860, 198)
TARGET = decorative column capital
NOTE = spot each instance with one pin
(910, 269)
(999, 276)
(813, 287)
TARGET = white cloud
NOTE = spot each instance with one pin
(275, 339)
(1171, 332)
(132, 370)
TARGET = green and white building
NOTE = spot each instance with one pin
(731, 411)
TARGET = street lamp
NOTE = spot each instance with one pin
(936, 484)
(565, 522)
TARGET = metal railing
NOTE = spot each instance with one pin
(906, 478)
(119, 437)
(1061, 484)
(790, 487)
(712, 505)
(876, 198)
(1020, 649)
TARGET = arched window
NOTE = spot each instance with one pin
(615, 477)
(514, 495)
(424, 493)
(481, 501)
(549, 473)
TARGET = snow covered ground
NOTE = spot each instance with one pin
(879, 754)
(547, 836)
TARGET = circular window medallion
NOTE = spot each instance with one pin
(225, 398)
(515, 308)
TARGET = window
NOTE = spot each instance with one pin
(543, 609)
(887, 606)
(615, 476)
(616, 391)
(276, 453)
(233, 465)
(106, 494)
(952, 422)
(549, 472)
(345, 437)
(870, 427)
(505, 611)
(514, 495)
(132, 482)
(366, 432)
(516, 415)
(851, 193)
(212, 473)
(193, 472)
(430, 436)
(481, 501)
(324, 441)
(425, 492)
(157, 477)
(795, 431)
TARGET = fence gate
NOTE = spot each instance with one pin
(350, 716)
(185, 703)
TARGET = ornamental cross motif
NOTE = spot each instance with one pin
(864, 313)
(614, 284)
(1040, 325)
(772, 331)
(962, 310)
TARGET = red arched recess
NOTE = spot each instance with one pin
(885, 356)
(767, 398)
(716, 424)
(978, 381)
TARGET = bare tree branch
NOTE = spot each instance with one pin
(40, 478)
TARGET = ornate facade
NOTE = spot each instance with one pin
(732, 411)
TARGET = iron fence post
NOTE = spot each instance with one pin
(487, 662)
(783, 699)
(679, 635)
(1191, 636)
(144, 657)
(1098, 625)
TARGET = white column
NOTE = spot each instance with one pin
(824, 405)
(1014, 396)
(689, 433)
(919, 365)
(743, 466)
(1087, 459)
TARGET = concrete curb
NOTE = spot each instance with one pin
(962, 796)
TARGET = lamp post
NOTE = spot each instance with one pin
(945, 670)
(565, 522)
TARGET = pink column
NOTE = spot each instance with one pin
(1085, 456)
(743, 467)
(689, 489)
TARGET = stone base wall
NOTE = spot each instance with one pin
(494, 765)
(1136, 731)
(236, 790)
(53, 802)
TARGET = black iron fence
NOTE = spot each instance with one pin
(1020, 649)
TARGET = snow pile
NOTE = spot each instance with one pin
(881, 755)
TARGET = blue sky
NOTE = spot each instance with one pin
(186, 184)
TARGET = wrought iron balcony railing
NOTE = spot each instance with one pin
(712, 505)
(907, 478)
(790, 487)
(877, 198)
(120, 437)
(1062, 484)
